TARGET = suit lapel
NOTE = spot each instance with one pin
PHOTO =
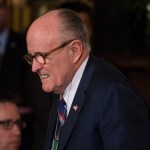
(76, 106)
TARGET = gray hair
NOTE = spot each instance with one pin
(72, 27)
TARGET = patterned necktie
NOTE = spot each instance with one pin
(62, 112)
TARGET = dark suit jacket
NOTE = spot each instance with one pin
(110, 115)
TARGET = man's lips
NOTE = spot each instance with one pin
(14, 143)
(43, 76)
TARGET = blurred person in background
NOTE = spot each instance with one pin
(15, 76)
(10, 122)
(12, 47)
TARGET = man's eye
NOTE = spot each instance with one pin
(7, 123)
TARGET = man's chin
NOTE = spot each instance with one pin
(14, 146)
(46, 89)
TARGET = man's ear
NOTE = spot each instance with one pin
(76, 50)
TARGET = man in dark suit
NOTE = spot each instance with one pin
(99, 109)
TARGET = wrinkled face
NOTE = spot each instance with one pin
(43, 36)
(3, 16)
(58, 70)
(9, 139)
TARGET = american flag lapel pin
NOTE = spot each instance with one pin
(75, 107)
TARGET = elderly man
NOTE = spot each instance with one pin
(95, 108)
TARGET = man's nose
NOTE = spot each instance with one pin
(16, 130)
(35, 66)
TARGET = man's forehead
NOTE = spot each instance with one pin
(8, 110)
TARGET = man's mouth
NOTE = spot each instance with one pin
(43, 76)
(15, 143)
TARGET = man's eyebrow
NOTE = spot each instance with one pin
(38, 52)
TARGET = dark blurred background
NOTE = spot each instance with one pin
(121, 25)
(121, 33)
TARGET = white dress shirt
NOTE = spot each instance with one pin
(71, 89)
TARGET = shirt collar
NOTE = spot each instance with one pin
(71, 89)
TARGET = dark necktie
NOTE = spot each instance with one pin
(62, 112)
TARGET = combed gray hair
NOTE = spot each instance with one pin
(72, 27)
